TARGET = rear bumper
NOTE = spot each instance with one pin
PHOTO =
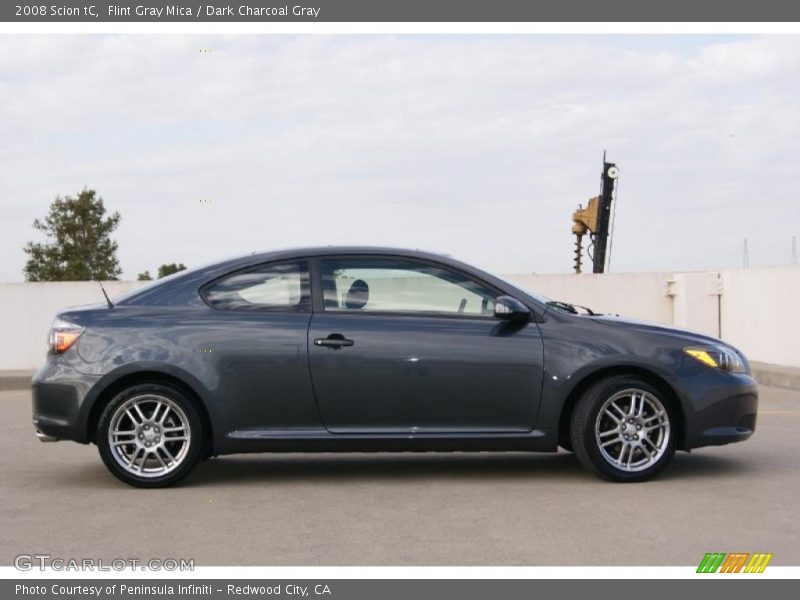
(43, 437)
(58, 392)
(723, 413)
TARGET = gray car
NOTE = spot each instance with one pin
(372, 349)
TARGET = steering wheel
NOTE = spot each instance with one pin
(462, 305)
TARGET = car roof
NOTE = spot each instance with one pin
(335, 250)
(255, 258)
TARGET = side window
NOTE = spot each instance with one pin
(282, 286)
(401, 285)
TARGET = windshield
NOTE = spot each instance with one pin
(534, 295)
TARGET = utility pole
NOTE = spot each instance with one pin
(794, 250)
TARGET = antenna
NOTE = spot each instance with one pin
(106, 295)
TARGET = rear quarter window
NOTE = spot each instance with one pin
(263, 288)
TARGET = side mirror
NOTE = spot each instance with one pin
(511, 309)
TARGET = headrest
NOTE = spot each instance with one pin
(358, 295)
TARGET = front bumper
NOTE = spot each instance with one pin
(722, 410)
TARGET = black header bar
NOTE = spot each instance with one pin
(544, 11)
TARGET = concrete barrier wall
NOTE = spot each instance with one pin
(761, 313)
(754, 309)
(28, 310)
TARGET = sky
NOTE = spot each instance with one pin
(480, 147)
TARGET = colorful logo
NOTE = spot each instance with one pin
(736, 562)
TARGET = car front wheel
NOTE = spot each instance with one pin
(622, 428)
(150, 435)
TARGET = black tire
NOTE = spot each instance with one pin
(585, 426)
(189, 456)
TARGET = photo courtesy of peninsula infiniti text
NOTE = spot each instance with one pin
(360, 349)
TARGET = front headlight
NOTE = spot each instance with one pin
(718, 357)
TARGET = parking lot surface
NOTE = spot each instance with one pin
(405, 509)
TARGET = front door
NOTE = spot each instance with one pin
(406, 346)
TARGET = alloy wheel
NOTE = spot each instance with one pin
(632, 430)
(149, 435)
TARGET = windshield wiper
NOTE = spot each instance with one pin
(571, 308)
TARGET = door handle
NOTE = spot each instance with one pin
(334, 341)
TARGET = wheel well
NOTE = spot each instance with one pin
(149, 377)
(658, 382)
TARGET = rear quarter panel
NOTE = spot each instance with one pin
(247, 369)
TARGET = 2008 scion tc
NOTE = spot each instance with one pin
(369, 349)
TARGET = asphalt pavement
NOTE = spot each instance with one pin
(405, 509)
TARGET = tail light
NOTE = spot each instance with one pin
(63, 336)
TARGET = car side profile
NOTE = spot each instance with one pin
(377, 350)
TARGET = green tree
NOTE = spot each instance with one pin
(144, 276)
(79, 245)
(169, 269)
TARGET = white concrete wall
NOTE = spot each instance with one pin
(28, 310)
(757, 310)
(761, 313)
(696, 302)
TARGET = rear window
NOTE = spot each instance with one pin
(282, 286)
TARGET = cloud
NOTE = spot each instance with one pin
(477, 146)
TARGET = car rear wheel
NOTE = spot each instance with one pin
(150, 435)
(623, 429)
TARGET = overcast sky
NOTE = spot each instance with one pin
(476, 146)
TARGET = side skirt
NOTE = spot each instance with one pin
(321, 440)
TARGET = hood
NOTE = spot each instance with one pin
(645, 326)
